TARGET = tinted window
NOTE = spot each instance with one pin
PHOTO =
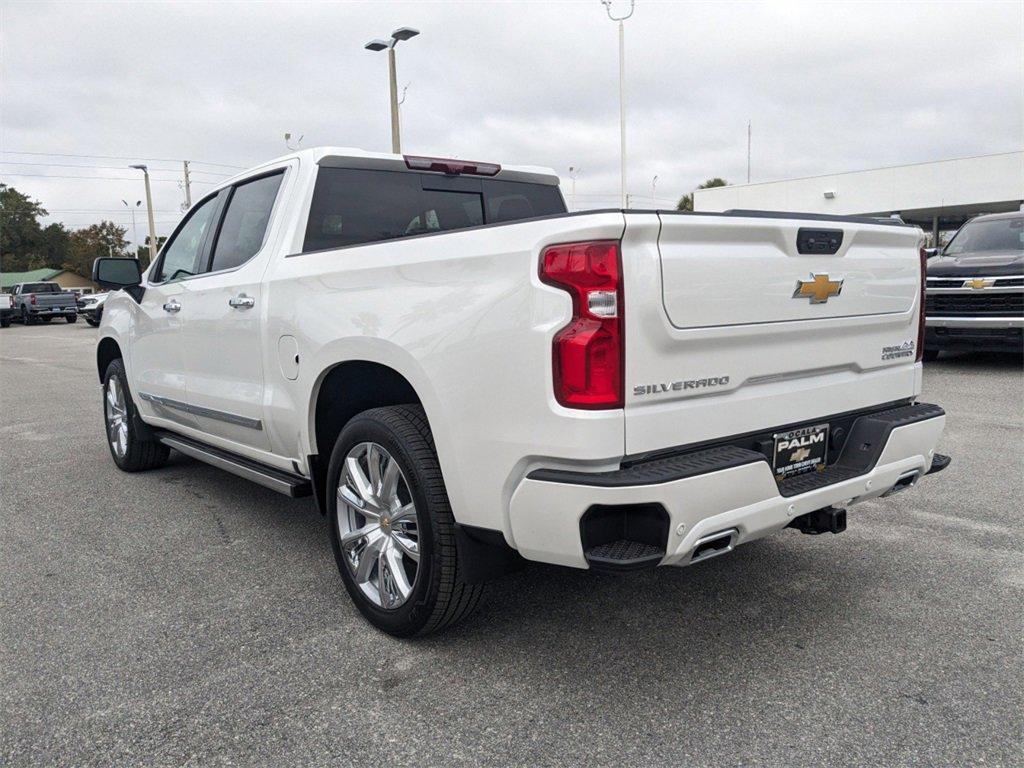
(992, 235)
(352, 206)
(245, 223)
(514, 200)
(181, 255)
(40, 288)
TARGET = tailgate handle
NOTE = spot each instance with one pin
(825, 241)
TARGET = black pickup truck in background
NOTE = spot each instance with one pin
(975, 288)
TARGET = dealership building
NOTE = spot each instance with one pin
(937, 196)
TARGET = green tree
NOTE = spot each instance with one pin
(88, 244)
(686, 201)
(20, 231)
(142, 252)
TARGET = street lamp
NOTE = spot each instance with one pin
(402, 33)
(622, 89)
(135, 233)
(149, 210)
(574, 171)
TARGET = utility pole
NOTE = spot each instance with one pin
(188, 187)
(622, 91)
(135, 232)
(149, 210)
(400, 34)
(654, 190)
(748, 151)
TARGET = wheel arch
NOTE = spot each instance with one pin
(343, 390)
(107, 351)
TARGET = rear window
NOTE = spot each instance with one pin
(41, 288)
(354, 206)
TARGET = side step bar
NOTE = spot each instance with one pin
(275, 479)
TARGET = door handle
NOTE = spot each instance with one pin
(172, 306)
(241, 301)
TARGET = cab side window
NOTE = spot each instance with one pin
(181, 255)
(245, 222)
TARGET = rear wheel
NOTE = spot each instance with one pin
(130, 450)
(5, 321)
(391, 525)
(71, 318)
(26, 318)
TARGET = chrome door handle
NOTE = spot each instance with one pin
(172, 306)
(242, 302)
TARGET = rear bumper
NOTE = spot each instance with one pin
(704, 493)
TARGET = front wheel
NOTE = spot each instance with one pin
(391, 525)
(93, 323)
(71, 318)
(130, 450)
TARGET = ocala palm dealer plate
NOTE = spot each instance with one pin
(800, 450)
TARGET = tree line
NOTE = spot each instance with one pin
(26, 244)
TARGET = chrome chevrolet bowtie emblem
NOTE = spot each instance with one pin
(800, 454)
(818, 288)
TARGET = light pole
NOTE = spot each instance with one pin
(149, 210)
(622, 89)
(135, 232)
(573, 173)
(402, 33)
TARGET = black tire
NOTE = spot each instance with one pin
(26, 318)
(71, 318)
(930, 355)
(93, 323)
(46, 319)
(439, 597)
(140, 453)
(5, 321)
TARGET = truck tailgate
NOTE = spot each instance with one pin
(723, 337)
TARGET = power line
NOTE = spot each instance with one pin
(110, 167)
(95, 178)
(121, 157)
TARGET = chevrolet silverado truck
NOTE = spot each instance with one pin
(42, 302)
(465, 376)
(975, 288)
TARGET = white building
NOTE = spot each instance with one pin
(937, 196)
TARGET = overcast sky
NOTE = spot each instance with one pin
(829, 87)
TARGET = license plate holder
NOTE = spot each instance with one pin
(800, 450)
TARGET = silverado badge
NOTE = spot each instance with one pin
(818, 288)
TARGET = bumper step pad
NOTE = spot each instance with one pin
(861, 451)
(624, 555)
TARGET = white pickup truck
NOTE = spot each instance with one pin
(464, 375)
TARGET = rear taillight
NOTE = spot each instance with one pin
(31, 298)
(921, 319)
(588, 353)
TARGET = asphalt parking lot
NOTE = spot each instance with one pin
(184, 616)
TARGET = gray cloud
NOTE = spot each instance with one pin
(829, 87)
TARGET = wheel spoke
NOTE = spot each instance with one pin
(404, 512)
(374, 458)
(347, 496)
(395, 584)
(358, 480)
(388, 493)
(352, 537)
(368, 558)
(407, 545)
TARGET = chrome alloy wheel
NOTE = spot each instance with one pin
(377, 525)
(116, 411)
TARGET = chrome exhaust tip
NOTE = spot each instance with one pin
(714, 544)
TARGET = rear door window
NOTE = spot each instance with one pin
(350, 207)
(245, 222)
